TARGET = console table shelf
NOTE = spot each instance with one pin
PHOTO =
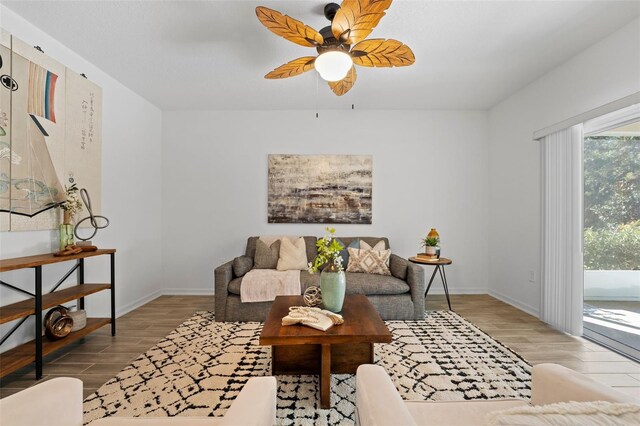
(24, 354)
(36, 349)
(28, 307)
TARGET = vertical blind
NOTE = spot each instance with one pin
(562, 259)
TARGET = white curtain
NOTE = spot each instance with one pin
(562, 260)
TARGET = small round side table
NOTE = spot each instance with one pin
(439, 264)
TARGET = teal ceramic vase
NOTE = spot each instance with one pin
(333, 285)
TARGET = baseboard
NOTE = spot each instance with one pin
(137, 303)
(457, 290)
(206, 292)
(522, 306)
(187, 292)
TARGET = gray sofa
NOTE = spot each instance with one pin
(399, 296)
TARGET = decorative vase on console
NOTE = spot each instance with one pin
(70, 207)
(66, 231)
(333, 282)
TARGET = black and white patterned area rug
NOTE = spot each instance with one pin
(200, 367)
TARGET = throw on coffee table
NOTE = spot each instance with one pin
(317, 318)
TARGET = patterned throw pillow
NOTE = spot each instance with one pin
(369, 261)
(266, 256)
(378, 247)
(293, 255)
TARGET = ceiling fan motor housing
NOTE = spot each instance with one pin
(330, 10)
(330, 42)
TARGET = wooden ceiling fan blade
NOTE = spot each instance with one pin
(343, 86)
(289, 28)
(355, 19)
(292, 68)
(382, 53)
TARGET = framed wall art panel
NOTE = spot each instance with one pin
(320, 188)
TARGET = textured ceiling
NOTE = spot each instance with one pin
(214, 54)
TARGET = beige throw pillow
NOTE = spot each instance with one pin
(266, 256)
(369, 261)
(293, 255)
(378, 247)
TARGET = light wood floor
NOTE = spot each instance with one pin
(101, 356)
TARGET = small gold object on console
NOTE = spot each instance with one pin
(57, 323)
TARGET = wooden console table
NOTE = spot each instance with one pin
(34, 350)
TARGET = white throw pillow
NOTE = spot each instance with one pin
(293, 255)
(592, 413)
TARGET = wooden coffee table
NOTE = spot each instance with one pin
(299, 350)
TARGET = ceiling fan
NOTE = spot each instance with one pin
(340, 45)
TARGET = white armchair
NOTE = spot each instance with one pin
(379, 404)
(255, 405)
(58, 402)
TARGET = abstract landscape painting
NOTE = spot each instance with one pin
(320, 189)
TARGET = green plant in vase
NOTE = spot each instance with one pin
(70, 208)
(333, 282)
(430, 245)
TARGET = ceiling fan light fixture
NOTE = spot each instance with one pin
(333, 65)
(341, 45)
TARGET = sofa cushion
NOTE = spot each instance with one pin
(398, 267)
(369, 261)
(357, 283)
(293, 255)
(242, 265)
(234, 286)
(266, 256)
(309, 280)
(369, 284)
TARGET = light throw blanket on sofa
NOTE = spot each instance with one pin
(263, 285)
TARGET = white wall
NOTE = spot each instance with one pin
(131, 182)
(430, 168)
(606, 71)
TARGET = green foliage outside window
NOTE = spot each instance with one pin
(612, 202)
(613, 249)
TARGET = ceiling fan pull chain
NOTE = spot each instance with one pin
(317, 91)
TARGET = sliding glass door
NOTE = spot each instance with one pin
(612, 238)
